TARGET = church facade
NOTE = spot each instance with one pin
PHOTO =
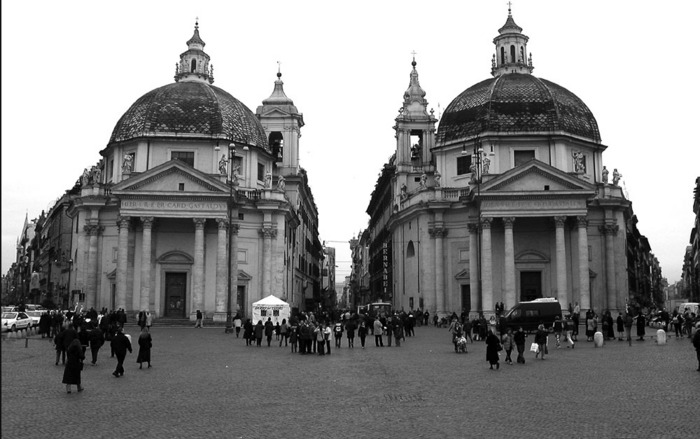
(193, 186)
(508, 199)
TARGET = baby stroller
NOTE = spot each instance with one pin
(460, 344)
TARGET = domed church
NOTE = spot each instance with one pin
(185, 165)
(508, 201)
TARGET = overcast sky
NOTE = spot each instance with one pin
(70, 69)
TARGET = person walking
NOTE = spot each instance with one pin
(237, 323)
(269, 330)
(641, 324)
(611, 326)
(60, 349)
(575, 317)
(97, 339)
(320, 342)
(338, 333)
(145, 344)
(558, 328)
(389, 331)
(541, 340)
(508, 345)
(198, 322)
(141, 319)
(284, 333)
(149, 321)
(519, 339)
(74, 366)
(120, 344)
(378, 329)
(259, 333)
(569, 328)
(293, 337)
(398, 331)
(327, 335)
(620, 322)
(493, 345)
(350, 332)
(629, 321)
(361, 332)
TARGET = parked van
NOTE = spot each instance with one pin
(692, 307)
(530, 314)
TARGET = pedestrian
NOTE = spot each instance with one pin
(284, 333)
(278, 330)
(145, 344)
(467, 327)
(327, 332)
(508, 344)
(611, 326)
(398, 331)
(677, 323)
(338, 333)
(350, 332)
(620, 322)
(641, 324)
(320, 341)
(361, 332)
(120, 344)
(269, 329)
(558, 328)
(237, 323)
(84, 337)
(45, 325)
(590, 325)
(149, 321)
(426, 318)
(389, 330)
(74, 366)
(293, 337)
(378, 329)
(60, 349)
(198, 322)
(541, 340)
(141, 320)
(519, 339)
(569, 327)
(455, 330)
(97, 339)
(492, 348)
(696, 343)
(575, 317)
(259, 332)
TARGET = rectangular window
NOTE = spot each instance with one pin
(261, 172)
(522, 157)
(181, 187)
(184, 156)
(463, 164)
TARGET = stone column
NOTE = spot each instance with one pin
(583, 276)
(509, 263)
(146, 262)
(123, 223)
(559, 222)
(610, 230)
(198, 269)
(92, 231)
(438, 234)
(487, 279)
(234, 268)
(474, 267)
(268, 233)
(221, 282)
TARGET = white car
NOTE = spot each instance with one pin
(12, 321)
(35, 316)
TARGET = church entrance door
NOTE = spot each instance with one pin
(530, 285)
(175, 294)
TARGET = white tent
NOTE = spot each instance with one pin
(272, 307)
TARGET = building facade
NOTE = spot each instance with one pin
(191, 187)
(507, 200)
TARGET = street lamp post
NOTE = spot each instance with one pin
(478, 152)
(230, 204)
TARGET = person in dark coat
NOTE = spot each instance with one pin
(248, 332)
(60, 349)
(74, 365)
(269, 330)
(84, 337)
(641, 323)
(69, 335)
(696, 344)
(541, 340)
(145, 344)
(97, 339)
(519, 339)
(142, 319)
(611, 326)
(492, 345)
(120, 344)
(45, 325)
(259, 332)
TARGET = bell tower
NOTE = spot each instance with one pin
(282, 122)
(511, 50)
(415, 131)
(194, 63)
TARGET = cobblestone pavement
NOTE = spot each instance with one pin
(205, 383)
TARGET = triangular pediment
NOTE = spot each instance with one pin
(536, 176)
(463, 275)
(168, 177)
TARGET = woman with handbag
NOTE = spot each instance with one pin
(74, 365)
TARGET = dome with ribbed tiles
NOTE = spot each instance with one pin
(516, 103)
(190, 109)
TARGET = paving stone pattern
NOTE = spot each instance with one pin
(205, 383)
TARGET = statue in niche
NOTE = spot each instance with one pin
(472, 169)
(404, 190)
(485, 165)
(268, 180)
(223, 164)
(579, 162)
(96, 174)
(128, 164)
(605, 175)
(281, 184)
(616, 177)
(438, 179)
